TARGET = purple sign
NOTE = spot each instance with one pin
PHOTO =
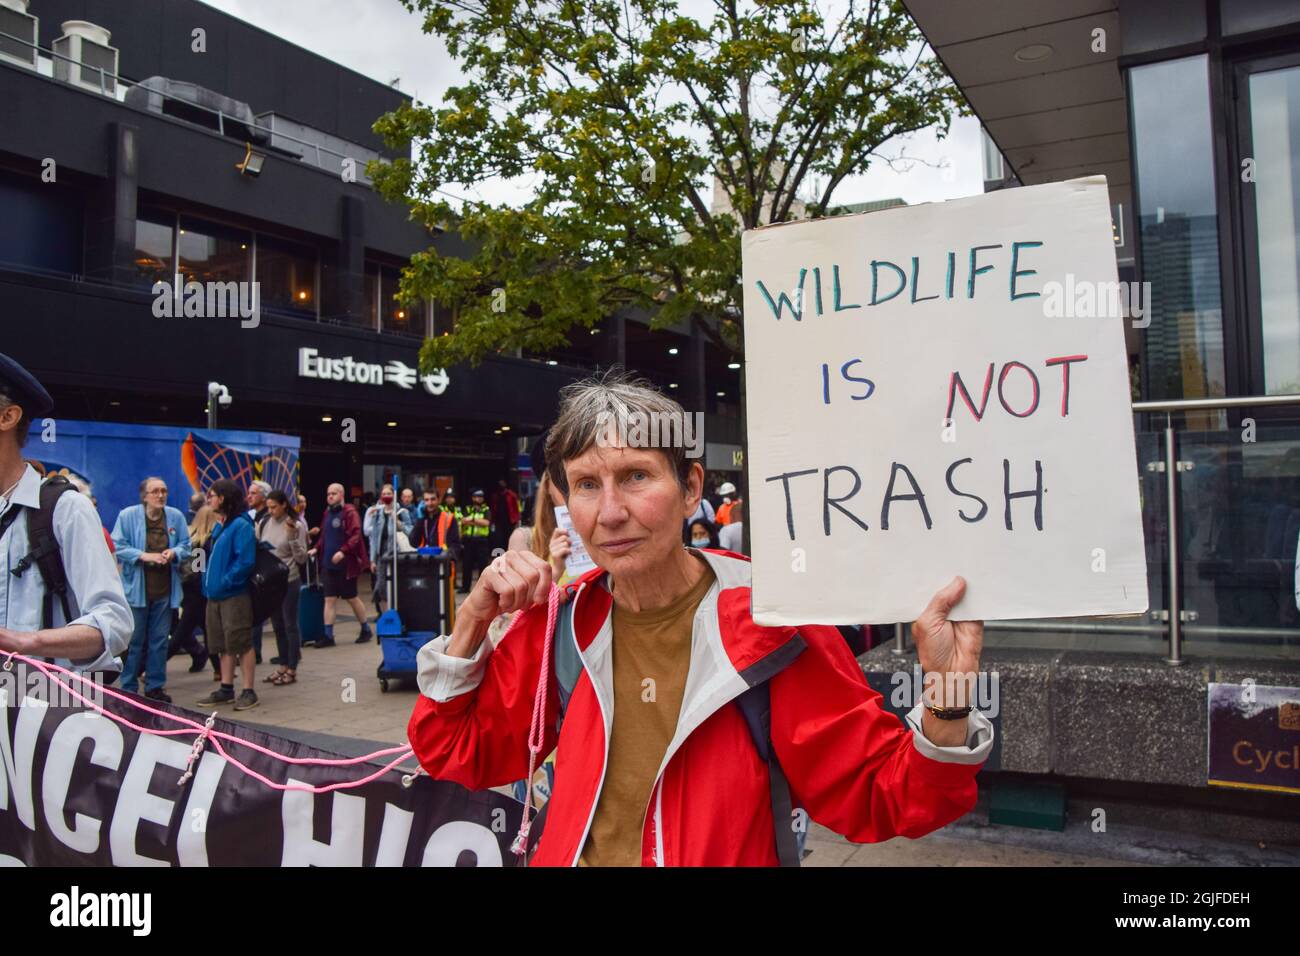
(1254, 737)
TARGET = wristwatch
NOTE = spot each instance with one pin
(949, 713)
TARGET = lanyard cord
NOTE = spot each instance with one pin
(537, 727)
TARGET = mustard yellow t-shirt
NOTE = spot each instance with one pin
(652, 654)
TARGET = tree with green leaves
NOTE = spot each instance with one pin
(625, 114)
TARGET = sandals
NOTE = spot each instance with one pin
(275, 678)
(284, 678)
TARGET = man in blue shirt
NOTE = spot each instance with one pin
(151, 540)
(89, 631)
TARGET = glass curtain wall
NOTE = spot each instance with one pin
(1178, 231)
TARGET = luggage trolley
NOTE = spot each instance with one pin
(423, 584)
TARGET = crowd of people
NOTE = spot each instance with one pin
(187, 576)
(181, 582)
(189, 573)
(718, 524)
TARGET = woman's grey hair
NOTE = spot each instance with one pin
(616, 400)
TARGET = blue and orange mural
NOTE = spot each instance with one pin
(113, 458)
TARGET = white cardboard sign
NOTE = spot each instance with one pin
(937, 390)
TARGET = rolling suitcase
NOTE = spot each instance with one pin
(311, 607)
(426, 591)
(422, 585)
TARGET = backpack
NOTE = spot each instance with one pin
(44, 551)
(268, 583)
(755, 706)
(190, 577)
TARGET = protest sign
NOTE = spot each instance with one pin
(578, 561)
(81, 789)
(941, 390)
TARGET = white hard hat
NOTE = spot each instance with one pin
(726, 488)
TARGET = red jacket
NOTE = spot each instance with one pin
(505, 503)
(852, 765)
(356, 558)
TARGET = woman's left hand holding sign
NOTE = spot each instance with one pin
(949, 652)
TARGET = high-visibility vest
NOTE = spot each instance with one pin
(445, 519)
(469, 530)
(724, 512)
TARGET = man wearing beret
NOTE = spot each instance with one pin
(90, 630)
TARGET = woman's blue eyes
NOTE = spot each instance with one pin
(587, 485)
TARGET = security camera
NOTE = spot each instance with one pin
(220, 393)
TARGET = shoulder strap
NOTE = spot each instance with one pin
(8, 518)
(44, 551)
(756, 707)
(568, 665)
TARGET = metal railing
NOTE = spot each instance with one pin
(124, 85)
(1177, 623)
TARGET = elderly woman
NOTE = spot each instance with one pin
(686, 723)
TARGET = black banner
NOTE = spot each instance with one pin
(78, 788)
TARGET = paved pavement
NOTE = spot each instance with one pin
(337, 691)
(338, 694)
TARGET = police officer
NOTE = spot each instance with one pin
(475, 526)
(88, 626)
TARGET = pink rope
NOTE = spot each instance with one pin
(537, 728)
(203, 730)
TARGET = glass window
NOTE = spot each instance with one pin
(401, 317)
(1239, 518)
(372, 297)
(1178, 230)
(213, 253)
(154, 251)
(286, 273)
(40, 229)
(444, 319)
(330, 290)
(1275, 141)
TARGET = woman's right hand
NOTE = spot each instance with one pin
(515, 580)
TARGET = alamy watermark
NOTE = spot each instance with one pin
(980, 691)
(652, 430)
(209, 300)
(133, 911)
(1085, 299)
(25, 686)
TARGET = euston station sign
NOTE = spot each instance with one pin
(312, 364)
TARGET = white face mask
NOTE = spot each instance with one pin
(700, 542)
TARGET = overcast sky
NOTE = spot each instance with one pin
(380, 39)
